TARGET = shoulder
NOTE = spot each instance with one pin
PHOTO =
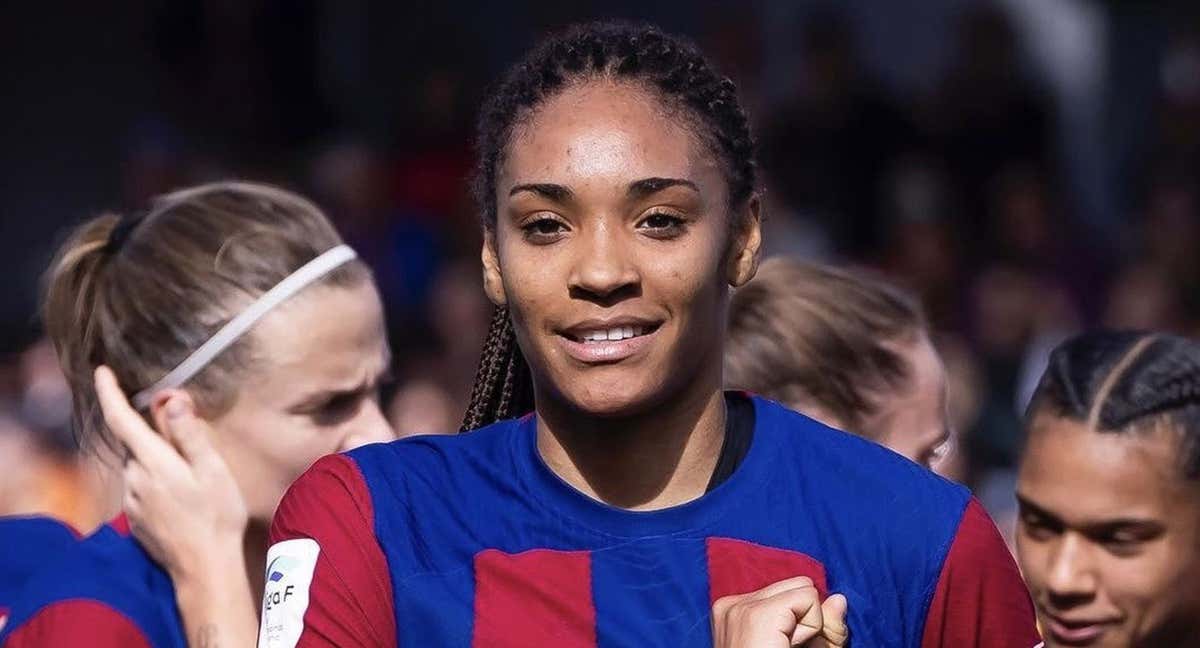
(913, 513)
(388, 477)
(105, 583)
(864, 469)
(433, 452)
(419, 463)
(26, 545)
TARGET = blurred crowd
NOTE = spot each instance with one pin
(1020, 201)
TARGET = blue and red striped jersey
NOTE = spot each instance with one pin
(27, 544)
(104, 592)
(471, 540)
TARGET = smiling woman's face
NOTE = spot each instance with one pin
(1109, 536)
(613, 249)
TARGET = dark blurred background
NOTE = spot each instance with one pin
(1028, 167)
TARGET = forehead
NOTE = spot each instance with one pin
(1077, 473)
(604, 130)
(326, 337)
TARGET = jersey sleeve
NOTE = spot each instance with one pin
(980, 600)
(77, 622)
(327, 581)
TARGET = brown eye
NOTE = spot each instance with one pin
(1037, 527)
(543, 230)
(662, 225)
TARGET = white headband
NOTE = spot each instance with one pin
(237, 327)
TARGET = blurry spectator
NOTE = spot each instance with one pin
(922, 246)
(421, 406)
(41, 471)
(827, 147)
(986, 114)
(1141, 297)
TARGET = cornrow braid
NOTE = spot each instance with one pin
(502, 384)
(671, 67)
(1119, 381)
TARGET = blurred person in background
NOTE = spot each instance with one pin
(848, 350)
(214, 306)
(1109, 492)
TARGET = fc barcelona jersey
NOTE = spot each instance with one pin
(471, 540)
(28, 544)
(103, 591)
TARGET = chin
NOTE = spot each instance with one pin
(611, 397)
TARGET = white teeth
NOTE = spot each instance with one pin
(613, 334)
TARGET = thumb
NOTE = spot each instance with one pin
(835, 632)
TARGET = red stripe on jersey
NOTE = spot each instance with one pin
(350, 598)
(740, 567)
(120, 524)
(534, 598)
(980, 600)
(78, 622)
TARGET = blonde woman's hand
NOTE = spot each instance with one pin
(185, 509)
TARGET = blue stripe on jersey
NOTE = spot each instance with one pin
(112, 569)
(652, 592)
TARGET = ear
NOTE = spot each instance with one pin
(493, 282)
(747, 243)
(158, 407)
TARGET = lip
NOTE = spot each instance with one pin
(1083, 632)
(606, 352)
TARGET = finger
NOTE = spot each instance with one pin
(189, 433)
(126, 424)
(796, 582)
(834, 630)
(137, 479)
(794, 614)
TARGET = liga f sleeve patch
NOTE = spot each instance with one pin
(290, 566)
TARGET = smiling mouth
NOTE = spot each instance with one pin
(1075, 633)
(611, 334)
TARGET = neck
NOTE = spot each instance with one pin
(660, 458)
(254, 548)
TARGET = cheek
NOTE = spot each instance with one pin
(287, 445)
(1031, 558)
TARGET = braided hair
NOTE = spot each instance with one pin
(668, 65)
(1119, 381)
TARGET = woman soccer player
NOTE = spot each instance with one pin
(1109, 489)
(848, 350)
(215, 307)
(617, 183)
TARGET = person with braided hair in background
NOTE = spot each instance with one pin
(1108, 536)
(608, 491)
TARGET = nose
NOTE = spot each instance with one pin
(603, 269)
(1070, 575)
(370, 426)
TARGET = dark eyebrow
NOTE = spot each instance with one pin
(647, 186)
(1100, 527)
(555, 192)
(1026, 504)
(323, 396)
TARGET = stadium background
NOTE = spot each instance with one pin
(1028, 167)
